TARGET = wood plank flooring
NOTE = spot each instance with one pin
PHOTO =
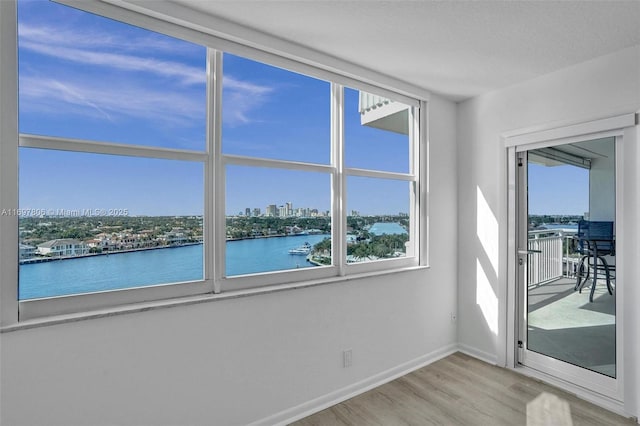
(456, 390)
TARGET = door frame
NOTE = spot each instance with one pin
(608, 392)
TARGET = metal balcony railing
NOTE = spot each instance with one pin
(551, 257)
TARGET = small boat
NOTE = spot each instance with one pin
(303, 249)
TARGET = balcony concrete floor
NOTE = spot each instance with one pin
(563, 324)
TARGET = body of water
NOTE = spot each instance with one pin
(267, 254)
(159, 266)
(389, 228)
(567, 226)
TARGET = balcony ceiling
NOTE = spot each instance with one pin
(579, 154)
(457, 49)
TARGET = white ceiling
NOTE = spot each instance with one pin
(458, 49)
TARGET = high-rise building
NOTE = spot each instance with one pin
(271, 210)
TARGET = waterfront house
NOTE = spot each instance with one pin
(101, 242)
(27, 251)
(95, 244)
(62, 248)
(175, 237)
(501, 77)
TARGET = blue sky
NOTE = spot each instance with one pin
(87, 77)
(559, 190)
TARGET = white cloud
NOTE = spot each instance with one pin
(241, 98)
(102, 49)
(89, 37)
(185, 73)
(95, 93)
(58, 96)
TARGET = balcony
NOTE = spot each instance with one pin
(562, 322)
(383, 113)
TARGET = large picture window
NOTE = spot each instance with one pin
(152, 166)
(107, 196)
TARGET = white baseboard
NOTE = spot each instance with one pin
(476, 353)
(318, 404)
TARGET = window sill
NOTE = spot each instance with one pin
(193, 300)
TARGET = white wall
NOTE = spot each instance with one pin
(602, 182)
(237, 361)
(599, 88)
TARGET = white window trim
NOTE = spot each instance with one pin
(174, 20)
(8, 162)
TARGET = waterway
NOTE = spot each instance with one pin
(159, 266)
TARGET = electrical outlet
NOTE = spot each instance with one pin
(454, 317)
(347, 358)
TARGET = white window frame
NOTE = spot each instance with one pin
(177, 22)
(33, 308)
(339, 173)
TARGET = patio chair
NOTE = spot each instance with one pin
(595, 240)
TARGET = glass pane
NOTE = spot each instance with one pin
(268, 112)
(571, 280)
(276, 219)
(376, 132)
(88, 77)
(91, 222)
(378, 221)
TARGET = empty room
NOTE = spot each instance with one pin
(319, 213)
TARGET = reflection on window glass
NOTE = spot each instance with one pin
(376, 132)
(91, 222)
(87, 77)
(276, 220)
(378, 219)
(268, 112)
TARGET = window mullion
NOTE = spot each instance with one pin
(379, 174)
(216, 193)
(96, 147)
(210, 174)
(414, 196)
(339, 213)
(240, 160)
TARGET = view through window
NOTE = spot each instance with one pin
(89, 221)
(114, 159)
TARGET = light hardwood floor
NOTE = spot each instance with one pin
(456, 390)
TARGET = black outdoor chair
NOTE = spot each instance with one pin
(595, 240)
